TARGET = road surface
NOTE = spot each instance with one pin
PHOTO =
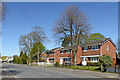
(22, 71)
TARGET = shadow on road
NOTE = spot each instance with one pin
(14, 72)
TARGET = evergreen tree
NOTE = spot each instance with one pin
(34, 50)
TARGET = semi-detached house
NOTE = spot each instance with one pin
(89, 52)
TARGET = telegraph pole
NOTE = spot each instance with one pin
(38, 53)
(29, 54)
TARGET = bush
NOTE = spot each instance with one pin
(57, 64)
(19, 60)
(93, 63)
(106, 62)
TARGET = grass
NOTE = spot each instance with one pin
(90, 68)
(34, 64)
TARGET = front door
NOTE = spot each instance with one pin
(47, 60)
(61, 61)
(84, 61)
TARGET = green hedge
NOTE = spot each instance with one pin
(93, 63)
(57, 64)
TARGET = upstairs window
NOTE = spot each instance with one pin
(107, 48)
(85, 48)
(68, 51)
(94, 48)
(62, 52)
(52, 53)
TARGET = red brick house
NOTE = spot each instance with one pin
(43, 56)
(92, 50)
(51, 55)
(85, 53)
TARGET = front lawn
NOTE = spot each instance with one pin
(91, 68)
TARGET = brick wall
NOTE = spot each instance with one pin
(43, 59)
(57, 56)
(79, 53)
(90, 52)
(111, 52)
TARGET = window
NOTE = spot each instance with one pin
(82, 59)
(85, 59)
(52, 53)
(107, 48)
(68, 51)
(94, 59)
(43, 57)
(94, 48)
(85, 48)
(62, 52)
(67, 60)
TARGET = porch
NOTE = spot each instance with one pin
(91, 58)
(65, 60)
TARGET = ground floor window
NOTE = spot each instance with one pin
(51, 60)
(93, 59)
(84, 59)
(67, 60)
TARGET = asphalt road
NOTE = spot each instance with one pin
(22, 71)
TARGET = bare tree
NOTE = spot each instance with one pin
(26, 42)
(38, 36)
(74, 24)
(3, 11)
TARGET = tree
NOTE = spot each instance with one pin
(19, 60)
(35, 49)
(25, 58)
(3, 11)
(74, 24)
(66, 42)
(106, 62)
(3, 57)
(21, 56)
(96, 36)
(26, 42)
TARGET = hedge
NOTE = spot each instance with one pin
(93, 63)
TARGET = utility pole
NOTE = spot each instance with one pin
(29, 54)
(38, 53)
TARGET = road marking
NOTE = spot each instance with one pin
(44, 73)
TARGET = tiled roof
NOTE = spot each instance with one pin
(91, 43)
(52, 50)
(69, 47)
(96, 42)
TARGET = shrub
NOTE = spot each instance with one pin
(93, 63)
(106, 62)
(57, 64)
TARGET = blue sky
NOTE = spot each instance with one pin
(22, 17)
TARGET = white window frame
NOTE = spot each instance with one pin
(62, 52)
(93, 59)
(68, 52)
(107, 48)
(95, 49)
(86, 49)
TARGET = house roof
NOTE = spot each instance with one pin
(91, 43)
(54, 49)
(97, 42)
(43, 53)
(69, 47)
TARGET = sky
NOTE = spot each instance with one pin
(21, 17)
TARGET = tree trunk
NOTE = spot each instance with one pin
(74, 58)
